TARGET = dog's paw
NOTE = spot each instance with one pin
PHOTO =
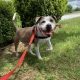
(49, 49)
(40, 58)
(17, 54)
(33, 54)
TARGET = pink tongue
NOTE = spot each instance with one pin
(48, 33)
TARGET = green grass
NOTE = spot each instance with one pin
(63, 63)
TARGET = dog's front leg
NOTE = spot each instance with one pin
(30, 49)
(37, 51)
(49, 45)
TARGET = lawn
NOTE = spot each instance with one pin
(63, 63)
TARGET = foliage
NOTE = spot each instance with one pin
(6, 25)
(69, 9)
(77, 9)
(29, 9)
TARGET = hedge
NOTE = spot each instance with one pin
(29, 9)
(69, 9)
(7, 29)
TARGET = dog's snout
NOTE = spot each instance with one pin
(48, 27)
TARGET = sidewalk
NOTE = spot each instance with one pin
(69, 16)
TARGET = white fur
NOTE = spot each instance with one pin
(40, 41)
(46, 40)
(14, 16)
(47, 21)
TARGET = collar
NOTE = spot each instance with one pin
(41, 37)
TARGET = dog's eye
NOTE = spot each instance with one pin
(51, 20)
(43, 22)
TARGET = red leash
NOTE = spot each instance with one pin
(20, 61)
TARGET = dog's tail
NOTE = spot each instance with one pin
(14, 16)
(14, 20)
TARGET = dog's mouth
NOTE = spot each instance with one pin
(47, 32)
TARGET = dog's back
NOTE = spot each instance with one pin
(24, 34)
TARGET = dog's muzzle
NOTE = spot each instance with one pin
(48, 28)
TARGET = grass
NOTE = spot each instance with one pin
(63, 63)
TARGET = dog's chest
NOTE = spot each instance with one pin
(43, 40)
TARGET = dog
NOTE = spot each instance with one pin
(44, 27)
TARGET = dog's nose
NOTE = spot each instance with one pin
(48, 27)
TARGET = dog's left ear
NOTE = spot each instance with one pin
(37, 19)
(59, 25)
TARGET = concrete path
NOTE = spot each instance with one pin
(71, 15)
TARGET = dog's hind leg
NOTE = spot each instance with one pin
(16, 43)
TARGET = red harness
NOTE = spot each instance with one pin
(20, 61)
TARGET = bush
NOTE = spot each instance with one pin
(29, 9)
(69, 9)
(7, 29)
(77, 9)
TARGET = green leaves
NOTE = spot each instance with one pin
(7, 28)
(29, 9)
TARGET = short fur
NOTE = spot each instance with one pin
(46, 24)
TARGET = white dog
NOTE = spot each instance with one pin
(44, 27)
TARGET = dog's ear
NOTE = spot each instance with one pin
(54, 17)
(37, 19)
(59, 25)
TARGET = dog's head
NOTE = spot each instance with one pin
(46, 23)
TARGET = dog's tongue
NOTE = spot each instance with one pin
(49, 33)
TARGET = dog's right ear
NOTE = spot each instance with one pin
(54, 17)
(37, 19)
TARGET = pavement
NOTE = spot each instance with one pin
(70, 16)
